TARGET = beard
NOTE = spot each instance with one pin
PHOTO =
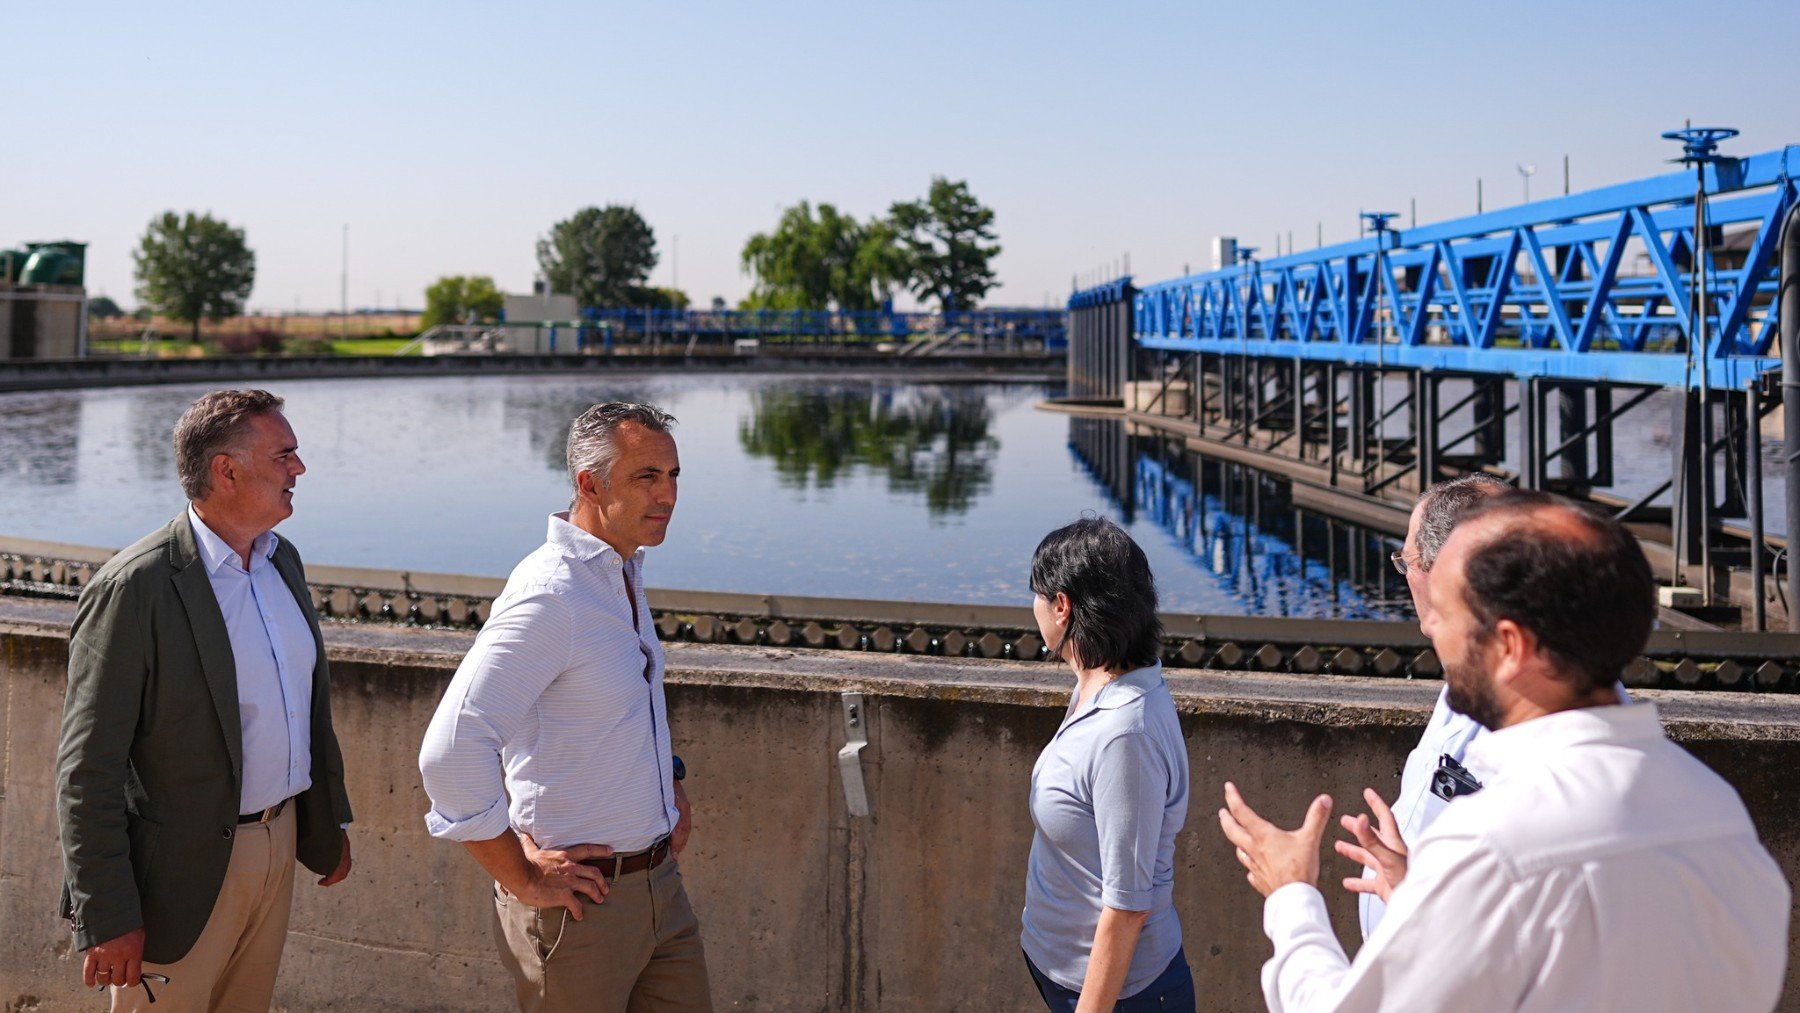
(1472, 694)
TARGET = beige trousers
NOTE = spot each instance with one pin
(639, 952)
(232, 965)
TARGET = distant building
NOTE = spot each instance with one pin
(43, 304)
(541, 324)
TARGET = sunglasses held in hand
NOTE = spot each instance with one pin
(144, 979)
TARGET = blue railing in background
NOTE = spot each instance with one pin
(1046, 326)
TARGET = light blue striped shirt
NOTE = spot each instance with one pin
(273, 650)
(555, 723)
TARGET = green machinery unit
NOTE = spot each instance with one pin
(59, 263)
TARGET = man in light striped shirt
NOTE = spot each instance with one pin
(549, 756)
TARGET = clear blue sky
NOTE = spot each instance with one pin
(450, 136)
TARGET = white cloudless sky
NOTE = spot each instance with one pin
(450, 136)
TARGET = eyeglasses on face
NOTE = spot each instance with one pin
(1401, 566)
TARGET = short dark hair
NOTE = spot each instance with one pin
(1112, 595)
(1445, 505)
(211, 426)
(1589, 599)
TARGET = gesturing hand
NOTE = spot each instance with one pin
(1274, 857)
(558, 879)
(1378, 847)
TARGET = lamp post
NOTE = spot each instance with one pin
(1377, 222)
(1700, 148)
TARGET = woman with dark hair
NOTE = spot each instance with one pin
(1110, 791)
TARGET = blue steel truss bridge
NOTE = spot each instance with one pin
(1513, 342)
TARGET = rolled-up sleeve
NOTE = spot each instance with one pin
(519, 652)
(1130, 788)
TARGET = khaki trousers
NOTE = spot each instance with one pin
(639, 952)
(232, 965)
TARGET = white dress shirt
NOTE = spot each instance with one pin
(1601, 867)
(1417, 806)
(274, 652)
(559, 707)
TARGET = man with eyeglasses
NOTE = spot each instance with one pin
(549, 756)
(198, 759)
(1447, 735)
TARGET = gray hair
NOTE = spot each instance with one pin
(1445, 504)
(211, 426)
(592, 444)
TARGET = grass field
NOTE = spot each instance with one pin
(371, 346)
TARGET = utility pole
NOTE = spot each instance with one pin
(344, 285)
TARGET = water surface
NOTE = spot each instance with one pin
(851, 487)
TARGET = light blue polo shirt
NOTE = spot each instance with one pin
(1108, 795)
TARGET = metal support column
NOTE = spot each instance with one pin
(1425, 427)
(1759, 619)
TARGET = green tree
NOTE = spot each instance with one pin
(815, 262)
(192, 267)
(601, 256)
(103, 308)
(949, 238)
(660, 298)
(451, 300)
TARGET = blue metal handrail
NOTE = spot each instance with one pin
(854, 326)
(1542, 289)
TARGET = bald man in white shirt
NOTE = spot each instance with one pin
(1601, 866)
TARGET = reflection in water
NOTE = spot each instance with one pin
(150, 420)
(1240, 525)
(545, 418)
(927, 440)
(39, 439)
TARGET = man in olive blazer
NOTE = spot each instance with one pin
(152, 764)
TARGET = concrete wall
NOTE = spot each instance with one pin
(803, 907)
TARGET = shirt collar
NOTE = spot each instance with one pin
(1128, 687)
(580, 544)
(1519, 745)
(215, 554)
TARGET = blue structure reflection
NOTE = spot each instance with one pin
(1241, 526)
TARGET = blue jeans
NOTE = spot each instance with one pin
(1171, 992)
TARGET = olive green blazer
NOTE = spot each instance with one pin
(151, 762)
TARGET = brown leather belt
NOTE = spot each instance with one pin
(625, 865)
(265, 815)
